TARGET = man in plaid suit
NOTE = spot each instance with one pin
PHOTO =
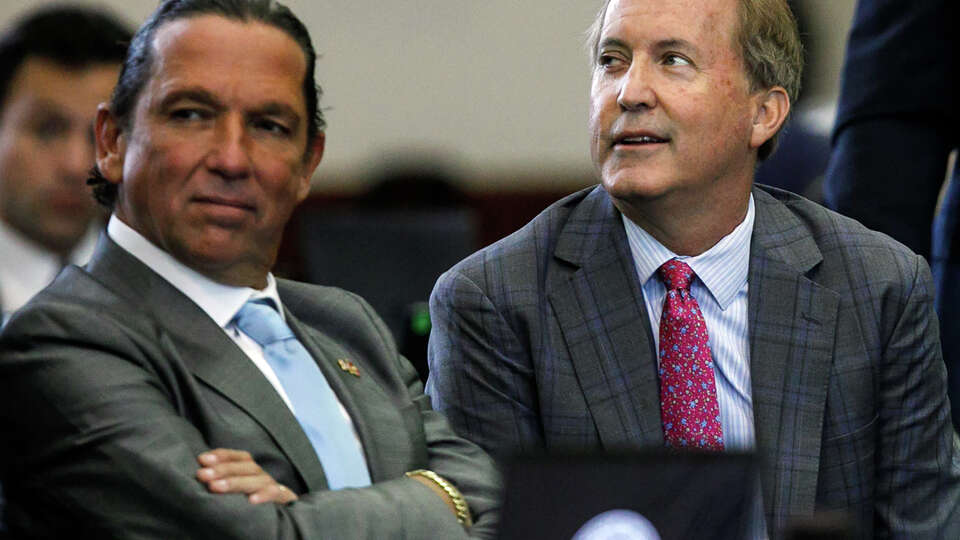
(823, 339)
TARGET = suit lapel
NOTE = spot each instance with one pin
(601, 314)
(792, 325)
(208, 353)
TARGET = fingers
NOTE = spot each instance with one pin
(225, 470)
(234, 471)
(222, 455)
(275, 492)
(234, 478)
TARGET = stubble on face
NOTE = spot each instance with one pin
(671, 117)
(214, 164)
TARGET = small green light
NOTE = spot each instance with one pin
(420, 319)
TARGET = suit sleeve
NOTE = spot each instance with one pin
(918, 470)
(453, 457)
(481, 375)
(95, 447)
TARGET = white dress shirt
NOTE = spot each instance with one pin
(26, 267)
(221, 302)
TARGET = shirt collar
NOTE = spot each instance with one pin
(27, 267)
(221, 302)
(21, 252)
(723, 268)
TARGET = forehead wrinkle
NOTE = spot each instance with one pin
(176, 51)
(709, 22)
(686, 33)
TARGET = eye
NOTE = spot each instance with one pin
(50, 128)
(672, 59)
(610, 61)
(271, 126)
(189, 114)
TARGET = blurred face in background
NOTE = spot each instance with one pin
(46, 149)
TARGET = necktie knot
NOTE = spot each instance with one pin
(262, 322)
(676, 274)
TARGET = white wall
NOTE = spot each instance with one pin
(499, 86)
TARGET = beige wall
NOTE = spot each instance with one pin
(495, 86)
(831, 21)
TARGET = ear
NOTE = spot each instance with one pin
(310, 163)
(772, 107)
(111, 145)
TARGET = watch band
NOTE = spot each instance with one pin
(459, 503)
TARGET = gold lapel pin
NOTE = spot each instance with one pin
(349, 367)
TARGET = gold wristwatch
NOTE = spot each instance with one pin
(459, 503)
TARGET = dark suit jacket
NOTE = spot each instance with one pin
(542, 341)
(112, 382)
(896, 125)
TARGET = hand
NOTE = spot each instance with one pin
(234, 471)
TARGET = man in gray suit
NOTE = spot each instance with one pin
(801, 335)
(172, 387)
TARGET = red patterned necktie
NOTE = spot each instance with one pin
(688, 390)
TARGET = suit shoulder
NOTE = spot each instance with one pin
(528, 247)
(849, 253)
(833, 231)
(334, 311)
(311, 301)
(74, 299)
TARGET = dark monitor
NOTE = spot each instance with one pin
(606, 497)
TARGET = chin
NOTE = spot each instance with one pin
(631, 185)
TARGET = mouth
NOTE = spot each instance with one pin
(227, 202)
(638, 140)
(225, 211)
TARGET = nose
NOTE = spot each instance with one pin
(229, 155)
(76, 157)
(636, 90)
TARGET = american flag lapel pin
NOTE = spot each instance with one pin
(349, 367)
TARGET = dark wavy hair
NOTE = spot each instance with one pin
(139, 62)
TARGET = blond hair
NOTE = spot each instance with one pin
(769, 44)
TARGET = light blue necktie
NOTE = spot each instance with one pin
(317, 408)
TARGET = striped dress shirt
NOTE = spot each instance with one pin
(721, 292)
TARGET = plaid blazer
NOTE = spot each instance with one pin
(542, 342)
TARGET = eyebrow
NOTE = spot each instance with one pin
(676, 43)
(199, 95)
(671, 43)
(614, 42)
(205, 97)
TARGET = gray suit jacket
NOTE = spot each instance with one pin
(542, 341)
(112, 382)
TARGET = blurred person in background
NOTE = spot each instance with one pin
(56, 66)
